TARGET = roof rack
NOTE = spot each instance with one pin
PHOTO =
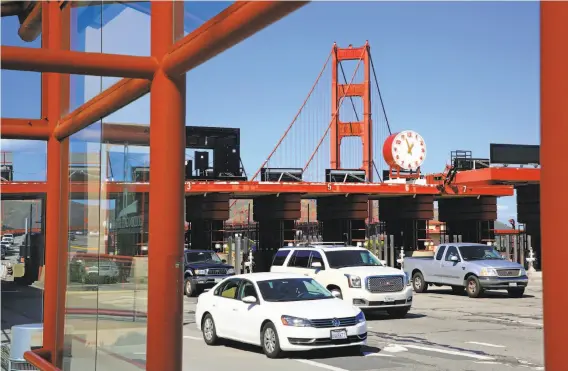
(315, 244)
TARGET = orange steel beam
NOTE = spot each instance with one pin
(112, 99)
(24, 129)
(125, 133)
(237, 22)
(56, 29)
(39, 359)
(79, 63)
(31, 26)
(493, 175)
(241, 189)
(167, 197)
(553, 199)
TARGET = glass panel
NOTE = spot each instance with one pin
(198, 12)
(23, 160)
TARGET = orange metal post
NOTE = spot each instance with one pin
(56, 36)
(335, 144)
(80, 63)
(24, 129)
(112, 99)
(234, 24)
(553, 197)
(167, 195)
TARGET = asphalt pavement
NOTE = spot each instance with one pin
(443, 332)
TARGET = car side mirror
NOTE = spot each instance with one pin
(336, 294)
(454, 258)
(316, 265)
(223, 260)
(249, 300)
(383, 262)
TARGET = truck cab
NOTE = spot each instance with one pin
(203, 269)
(351, 273)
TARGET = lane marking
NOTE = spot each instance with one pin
(486, 344)
(378, 354)
(140, 353)
(320, 365)
(519, 322)
(191, 337)
(394, 348)
(452, 352)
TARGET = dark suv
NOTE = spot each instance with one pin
(203, 270)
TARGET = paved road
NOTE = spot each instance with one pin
(443, 332)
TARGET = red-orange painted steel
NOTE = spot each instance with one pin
(38, 359)
(80, 63)
(56, 33)
(493, 175)
(167, 198)
(553, 195)
(112, 99)
(234, 24)
(255, 189)
(24, 129)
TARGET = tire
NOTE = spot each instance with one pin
(188, 288)
(270, 342)
(336, 291)
(457, 290)
(473, 288)
(418, 283)
(516, 293)
(209, 330)
(398, 313)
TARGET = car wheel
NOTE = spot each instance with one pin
(188, 288)
(398, 312)
(473, 288)
(270, 342)
(418, 283)
(516, 293)
(209, 330)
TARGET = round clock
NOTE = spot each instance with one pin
(405, 150)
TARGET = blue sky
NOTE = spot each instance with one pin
(461, 74)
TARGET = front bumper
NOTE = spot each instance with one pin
(308, 338)
(365, 299)
(207, 282)
(502, 283)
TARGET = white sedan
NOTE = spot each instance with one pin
(279, 312)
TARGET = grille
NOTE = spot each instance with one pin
(216, 271)
(508, 272)
(328, 322)
(385, 284)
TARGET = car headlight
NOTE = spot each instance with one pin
(523, 272)
(407, 281)
(353, 281)
(201, 272)
(230, 271)
(295, 321)
(360, 317)
(488, 272)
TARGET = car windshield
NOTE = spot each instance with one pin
(352, 258)
(202, 257)
(292, 289)
(479, 253)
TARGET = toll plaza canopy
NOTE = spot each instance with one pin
(98, 62)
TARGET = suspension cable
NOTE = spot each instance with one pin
(336, 112)
(380, 96)
(295, 117)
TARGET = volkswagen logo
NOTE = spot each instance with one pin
(335, 322)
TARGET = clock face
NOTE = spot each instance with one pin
(408, 150)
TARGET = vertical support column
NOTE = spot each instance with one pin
(528, 212)
(472, 218)
(343, 218)
(55, 103)
(362, 129)
(206, 215)
(167, 197)
(553, 132)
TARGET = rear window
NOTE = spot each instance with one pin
(280, 257)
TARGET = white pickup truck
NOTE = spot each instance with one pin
(351, 273)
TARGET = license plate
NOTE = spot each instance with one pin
(338, 334)
(512, 284)
(389, 299)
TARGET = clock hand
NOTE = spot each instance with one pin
(409, 147)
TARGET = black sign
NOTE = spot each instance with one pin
(7, 172)
(517, 154)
